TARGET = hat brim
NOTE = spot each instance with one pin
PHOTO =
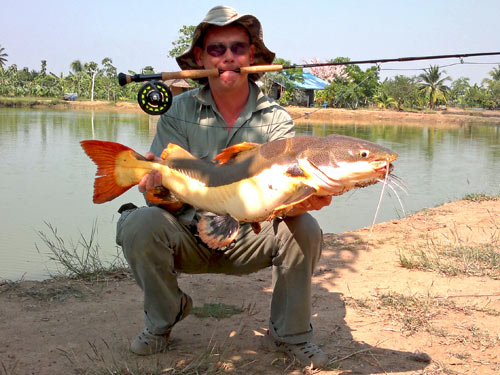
(262, 55)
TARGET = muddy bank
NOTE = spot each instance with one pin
(450, 117)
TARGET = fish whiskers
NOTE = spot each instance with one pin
(391, 181)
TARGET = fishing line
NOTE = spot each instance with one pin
(340, 97)
(337, 99)
(445, 66)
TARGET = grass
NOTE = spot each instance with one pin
(29, 101)
(480, 197)
(216, 310)
(43, 292)
(415, 313)
(81, 260)
(455, 259)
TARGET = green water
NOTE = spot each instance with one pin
(46, 178)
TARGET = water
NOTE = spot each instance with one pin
(46, 178)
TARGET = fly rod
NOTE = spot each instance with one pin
(155, 97)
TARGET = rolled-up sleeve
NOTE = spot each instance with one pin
(282, 125)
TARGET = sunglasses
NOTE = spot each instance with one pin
(219, 49)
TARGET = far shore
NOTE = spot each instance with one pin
(448, 117)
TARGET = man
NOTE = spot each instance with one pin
(160, 241)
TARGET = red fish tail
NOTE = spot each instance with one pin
(115, 168)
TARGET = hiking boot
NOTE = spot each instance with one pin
(307, 353)
(147, 343)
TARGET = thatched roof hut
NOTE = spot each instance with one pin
(178, 86)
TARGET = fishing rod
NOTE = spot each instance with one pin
(155, 97)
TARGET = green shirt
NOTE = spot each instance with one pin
(194, 123)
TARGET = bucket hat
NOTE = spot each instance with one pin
(221, 16)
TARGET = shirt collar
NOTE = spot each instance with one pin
(257, 101)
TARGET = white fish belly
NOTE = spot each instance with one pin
(255, 198)
(249, 200)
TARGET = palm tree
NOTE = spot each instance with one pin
(76, 66)
(433, 85)
(91, 69)
(495, 73)
(3, 56)
(385, 101)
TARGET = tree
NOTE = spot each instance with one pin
(90, 70)
(148, 70)
(432, 84)
(3, 57)
(383, 100)
(184, 41)
(328, 72)
(458, 90)
(495, 73)
(285, 79)
(477, 96)
(354, 90)
(401, 88)
(43, 69)
(109, 72)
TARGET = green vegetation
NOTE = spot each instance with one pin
(83, 259)
(455, 259)
(480, 197)
(417, 313)
(183, 42)
(433, 87)
(216, 310)
(285, 79)
(349, 86)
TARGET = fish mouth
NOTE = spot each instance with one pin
(336, 180)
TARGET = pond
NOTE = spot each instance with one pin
(48, 180)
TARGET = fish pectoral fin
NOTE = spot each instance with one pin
(162, 196)
(256, 227)
(232, 151)
(300, 195)
(218, 231)
(173, 150)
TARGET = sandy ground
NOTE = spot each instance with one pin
(370, 314)
(450, 117)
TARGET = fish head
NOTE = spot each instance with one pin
(336, 164)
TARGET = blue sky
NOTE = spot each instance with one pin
(136, 34)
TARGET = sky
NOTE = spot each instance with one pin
(137, 34)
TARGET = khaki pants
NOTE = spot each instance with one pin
(157, 246)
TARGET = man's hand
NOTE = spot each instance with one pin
(155, 192)
(315, 202)
(152, 179)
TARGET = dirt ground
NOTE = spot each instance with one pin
(449, 117)
(371, 314)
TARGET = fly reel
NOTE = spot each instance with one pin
(154, 97)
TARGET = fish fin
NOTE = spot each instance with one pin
(114, 161)
(256, 227)
(218, 231)
(294, 170)
(300, 195)
(175, 150)
(164, 197)
(232, 151)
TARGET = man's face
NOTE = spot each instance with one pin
(232, 58)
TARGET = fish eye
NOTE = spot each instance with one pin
(364, 153)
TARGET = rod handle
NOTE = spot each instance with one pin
(192, 73)
(261, 68)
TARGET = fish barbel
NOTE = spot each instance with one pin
(249, 182)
